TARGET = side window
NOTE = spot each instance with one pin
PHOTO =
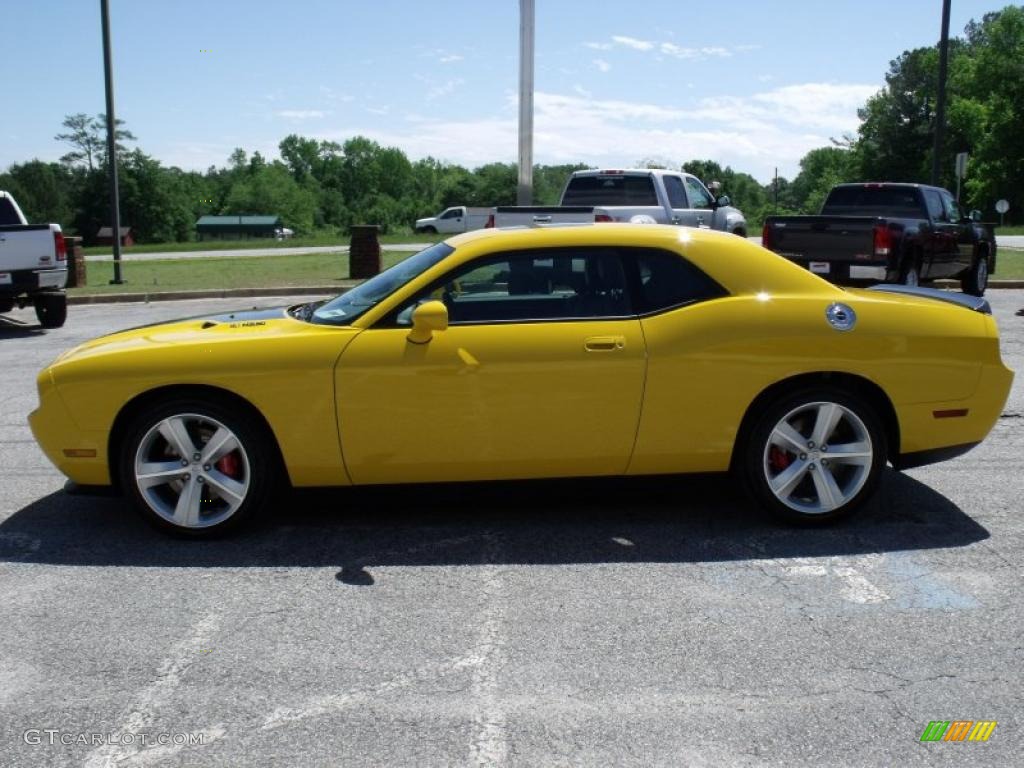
(668, 280)
(699, 197)
(451, 213)
(675, 191)
(537, 285)
(934, 203)
(951, 206)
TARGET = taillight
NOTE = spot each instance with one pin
(602, 218)
(883, 240)
(766, 235)
(60, 246)
(490, 222)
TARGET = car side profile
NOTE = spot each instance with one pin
(561, 352)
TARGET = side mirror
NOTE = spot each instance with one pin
(428, 317)
(975, 215)
(723, 201)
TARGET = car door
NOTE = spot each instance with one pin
(962, 228)
(451, 221)
(682, 213)
(941, 252)
(539, 374)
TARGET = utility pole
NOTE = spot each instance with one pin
(115, 203)
(940, 104)
(524, 191)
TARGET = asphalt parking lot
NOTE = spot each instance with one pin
(589, 623)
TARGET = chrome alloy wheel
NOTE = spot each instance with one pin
(192, 470)
(818, 457)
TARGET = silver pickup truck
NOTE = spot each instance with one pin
(640, 195)
(33, 265)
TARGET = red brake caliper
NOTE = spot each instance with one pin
(229, 465)
(778, 458)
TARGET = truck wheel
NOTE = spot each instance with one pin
(428, 231)
(51, 309)
(975, 281)
(740, 232)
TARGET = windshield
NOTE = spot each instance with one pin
(351, 304)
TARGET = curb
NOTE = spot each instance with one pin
(226, 293)
(320, 290)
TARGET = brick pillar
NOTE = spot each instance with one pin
(363, 251)
(76, 262)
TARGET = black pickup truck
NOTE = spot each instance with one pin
(887, 232)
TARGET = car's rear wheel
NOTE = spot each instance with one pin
(51, 309)
(815, 456)
(975, 281)
(197, 468)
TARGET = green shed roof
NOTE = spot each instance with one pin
(234, 221)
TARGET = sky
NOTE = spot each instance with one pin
(748, 83)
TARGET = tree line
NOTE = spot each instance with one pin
(319, 185)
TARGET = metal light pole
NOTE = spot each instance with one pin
(524, 191)
(115, 204)
(940, 104)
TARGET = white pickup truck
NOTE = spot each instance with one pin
(33, 265)
(453, 220)
(640, 195)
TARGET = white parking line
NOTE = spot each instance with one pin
(169, 675)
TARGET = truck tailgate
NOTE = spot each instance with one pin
(542, 216)
(27, 246)
(819, 242)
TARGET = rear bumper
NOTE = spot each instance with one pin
(21, 281)
(846, 271)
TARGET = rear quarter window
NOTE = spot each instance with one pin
(664, 280)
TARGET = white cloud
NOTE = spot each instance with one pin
(632, 42)
(450, 57)
(443, 89)
(602, 65)
(669, 49)
(378, 110)
(301, 114)
(753, 134)
(582, 91)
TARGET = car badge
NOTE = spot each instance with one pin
(841, 316)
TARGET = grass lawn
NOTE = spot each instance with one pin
(1010, 230)
(231, 272)
(227, 245)
(1009, 264)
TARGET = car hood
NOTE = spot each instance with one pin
(199, 330)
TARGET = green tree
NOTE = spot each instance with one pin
(88, 136)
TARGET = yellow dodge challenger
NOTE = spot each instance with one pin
(562, 352)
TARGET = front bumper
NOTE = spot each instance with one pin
(80, 454)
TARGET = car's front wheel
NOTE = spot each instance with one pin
(814, 457)
(197, 468)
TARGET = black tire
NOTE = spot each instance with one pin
(429, 230)
(740, 233)
(855, 482)
(51, 309)
(975, 280)
(255, 464)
